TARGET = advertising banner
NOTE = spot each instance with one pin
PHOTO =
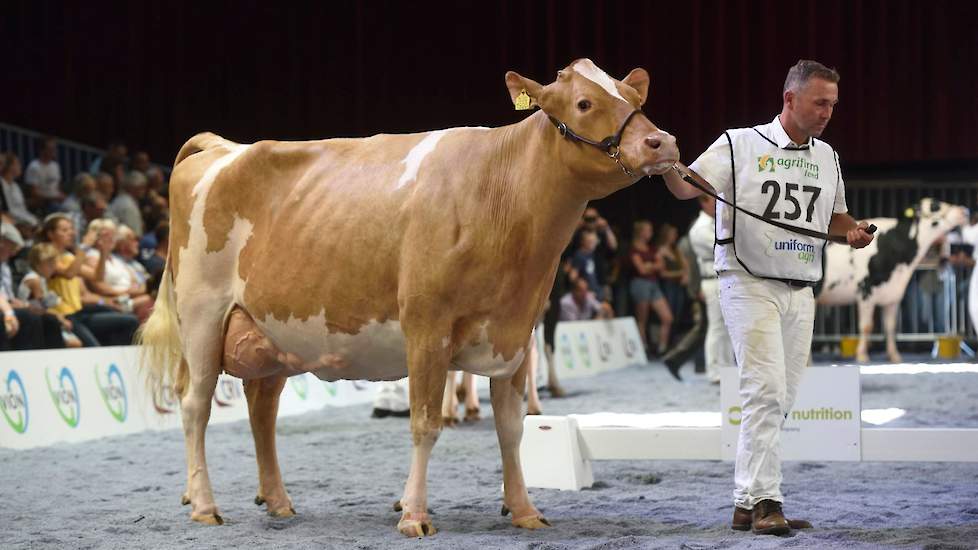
(585, 348)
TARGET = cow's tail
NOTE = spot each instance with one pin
(161, 354)
(201, 142)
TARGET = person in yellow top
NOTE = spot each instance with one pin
(95, 321)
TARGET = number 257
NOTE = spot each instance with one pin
(774, 188)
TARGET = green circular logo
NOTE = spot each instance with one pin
(13, 403)
(113, 392)
(65, 396)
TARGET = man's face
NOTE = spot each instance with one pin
(591, 217)
(105, 184)
(812, 105)
(96, 209)
(580, 292)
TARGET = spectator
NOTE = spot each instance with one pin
(581, 304)
(22, 328)
(81, 185)
(584, 263)
(155, 262)
(107, 274)
(674, 275)
(140, 162)
(127, 252)
(105, 184)
(604, 252)
(93, 319)
(125, 206)
(116, 150)
(646, 294)
(13, 197)
(93, 207)
(33, 289)
(43, 176)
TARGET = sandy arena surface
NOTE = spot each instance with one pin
(344, 471)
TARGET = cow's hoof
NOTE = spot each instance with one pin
(534, 411)
(207, 519)
(416, 527)
(184, 499)
(895, 358)
(449, 421)
(284, 512)
(472, 415)
(862, 358)
(535, 521)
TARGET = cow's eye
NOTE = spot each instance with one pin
(583, 105)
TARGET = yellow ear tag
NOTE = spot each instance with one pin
(908, 212)
(522, 101)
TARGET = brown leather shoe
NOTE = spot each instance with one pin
(767, 519)
(742, 519)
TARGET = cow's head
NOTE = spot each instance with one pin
(584, 101)
(935, 218)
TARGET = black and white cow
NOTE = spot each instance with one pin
(879, 273)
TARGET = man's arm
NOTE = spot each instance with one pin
(678, 186)
(855, 232)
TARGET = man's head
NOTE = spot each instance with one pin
(10, 241)
(83, 184)
(140, 161)
(10, 168)
(126, 244)
(580, 290)
(591, 217)
(810, 93)
(93, 205)
(105, 184)
(47, 149)
(589, 240)
(135, 184)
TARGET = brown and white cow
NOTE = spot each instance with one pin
(382, 257)
(878, 274)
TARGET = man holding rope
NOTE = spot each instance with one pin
(780, 198)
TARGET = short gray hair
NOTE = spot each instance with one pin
(134, 178)
(805, 70)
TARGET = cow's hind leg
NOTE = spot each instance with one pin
(428, 363)
(204, 366)
(449, 405)
(263, 395)
(889, 326)
(471, 397)
(532, 397)
(507, 404)
(865, 320)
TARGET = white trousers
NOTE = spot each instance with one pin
(393, 396)
(770, 326)
(719, 350)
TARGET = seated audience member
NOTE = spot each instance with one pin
(127, 251)
(23, 327)
(140, 162)
(105, 184)
(108, 274)
(584, 262)
(12, 196)
(34, 290)
(125, 206)
(115, 150)
(43, 177)
(82, 184)
(94, 319)
(93, 207)
(581, 304)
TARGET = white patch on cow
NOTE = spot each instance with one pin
(412, 162)
(589, 70)
(480, 358)
(445, 342)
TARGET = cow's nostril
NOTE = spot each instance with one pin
(653, 142)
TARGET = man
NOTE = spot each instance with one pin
(580, 304)
(585, 264)
(766, 273)
(604, 251)
(43, 176)
(719, 351)
(125, 206)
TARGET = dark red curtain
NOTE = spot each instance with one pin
(155, 73)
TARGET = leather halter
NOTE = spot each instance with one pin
(608, 145)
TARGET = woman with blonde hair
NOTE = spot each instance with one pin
(644, 288)
(94, 320)
(34, 290)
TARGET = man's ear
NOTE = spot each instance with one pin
(639, 79)
(518, 84)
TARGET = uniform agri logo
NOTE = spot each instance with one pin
(64, 395)
(112, 388)
(13, 403)
(300, 384)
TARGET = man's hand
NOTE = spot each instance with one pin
(858, 237)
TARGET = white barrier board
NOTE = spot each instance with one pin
(585, 348)
(824, 423)
(57, 396)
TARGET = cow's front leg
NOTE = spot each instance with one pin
(889, 325)
(865, 320)
(428, 360)
(507, 405)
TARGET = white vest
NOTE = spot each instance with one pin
(795, 186)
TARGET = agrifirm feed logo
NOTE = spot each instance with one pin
(112, 388)
(64, 395)
(766, 163)
(13, 403)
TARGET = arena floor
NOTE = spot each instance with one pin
(345, 470)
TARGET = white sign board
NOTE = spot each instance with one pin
(585, 348)
(824, 423)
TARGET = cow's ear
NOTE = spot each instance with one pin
(519, 86)
(639, 79)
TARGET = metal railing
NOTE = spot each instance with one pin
(73, 157)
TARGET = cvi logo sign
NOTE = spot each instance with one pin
(13, 403)
(64, 395)
(112, 388)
